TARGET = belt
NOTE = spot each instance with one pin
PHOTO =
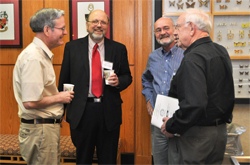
(41, 121)
(215, 123)
(94, 99)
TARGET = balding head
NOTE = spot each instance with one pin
(164, 20)
(164, 32)
(98, 12)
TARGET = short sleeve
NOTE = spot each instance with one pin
(32, 80)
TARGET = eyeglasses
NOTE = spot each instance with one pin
(158, 30)
(63, 28)
(177, 26)
(96, 22)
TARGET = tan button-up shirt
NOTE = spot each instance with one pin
(34, 78)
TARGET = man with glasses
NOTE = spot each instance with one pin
(161, 67)
(94, 114)
(34, 82)
(204, 87)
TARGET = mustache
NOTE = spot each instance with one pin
(98, 28)
(164, 36)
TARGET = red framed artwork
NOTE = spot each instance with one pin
(11, 24)
(79, 11)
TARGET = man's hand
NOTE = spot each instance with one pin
(150, 108)
(66, 96)
(163, 130)
(113, 80)
(62, 97)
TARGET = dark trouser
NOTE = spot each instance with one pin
(92, 132)
(199, 145)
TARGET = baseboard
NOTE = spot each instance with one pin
(129, 158)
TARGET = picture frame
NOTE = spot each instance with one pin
(79, 10)
(11, 24)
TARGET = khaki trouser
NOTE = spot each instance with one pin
(40, 143)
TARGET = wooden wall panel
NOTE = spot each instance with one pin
(143, 17)
(123, 32)
(8, 107)
(127, 127)
(124, 25)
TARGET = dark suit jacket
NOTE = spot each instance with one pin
(75, 70)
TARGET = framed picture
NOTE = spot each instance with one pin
(79, 11)
(11, 24)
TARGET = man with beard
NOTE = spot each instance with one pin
(161, 67)
(94, 114)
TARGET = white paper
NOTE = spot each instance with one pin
(107, 65)
(164, 107)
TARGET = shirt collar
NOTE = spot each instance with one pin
(92, 44)
(197, 43)
(42, 45)
(173, 49)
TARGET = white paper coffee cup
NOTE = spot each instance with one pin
(107, 74)
(68, 87)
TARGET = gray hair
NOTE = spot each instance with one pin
(200, 18)
(45, 17)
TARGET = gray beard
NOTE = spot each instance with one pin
(165, 43)
(95, 37)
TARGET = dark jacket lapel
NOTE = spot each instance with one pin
(108, 50)
(84, 53)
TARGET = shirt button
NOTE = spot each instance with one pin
(164, 82)
(161, 92)
(166, 71)
(166, 60)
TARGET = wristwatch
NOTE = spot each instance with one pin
(177, 135)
